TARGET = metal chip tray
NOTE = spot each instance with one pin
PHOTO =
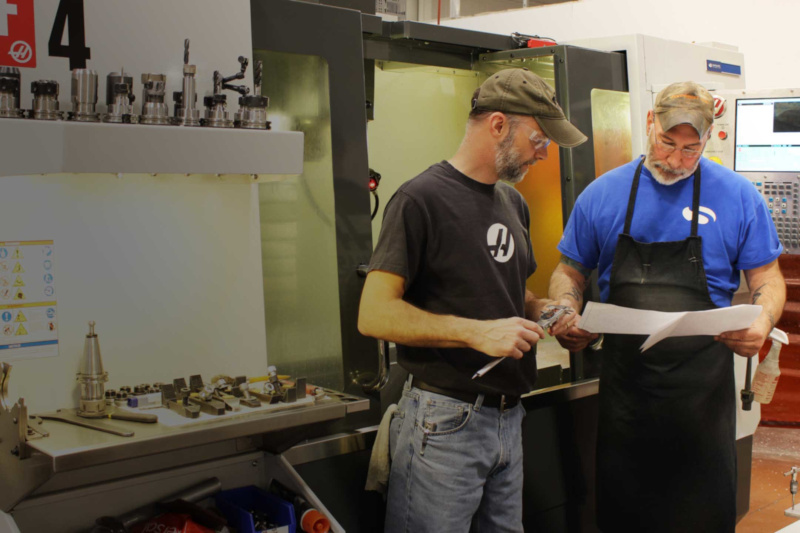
(72, 447)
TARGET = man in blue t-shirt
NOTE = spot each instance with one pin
(670, 232)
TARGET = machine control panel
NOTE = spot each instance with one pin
(782, 194)
(757, 134)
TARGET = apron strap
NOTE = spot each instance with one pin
(635, 188)
(632, 198)
(696, 200)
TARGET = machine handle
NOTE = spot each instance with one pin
(382, 377)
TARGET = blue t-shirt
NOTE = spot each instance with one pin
(734, 223)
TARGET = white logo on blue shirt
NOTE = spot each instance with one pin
(701, 219)
(501, 243)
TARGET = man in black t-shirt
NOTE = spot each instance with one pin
(447, 285)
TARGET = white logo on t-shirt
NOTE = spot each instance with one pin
(501, 243)
(701, 219)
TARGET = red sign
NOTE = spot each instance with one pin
(17, 34)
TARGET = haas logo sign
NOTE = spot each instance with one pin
(17, 34)
(501, 243)
(21, 52)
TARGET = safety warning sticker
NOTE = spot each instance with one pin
(28, 310)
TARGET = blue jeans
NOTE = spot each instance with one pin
(456, 467)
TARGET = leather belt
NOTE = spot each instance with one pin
(497, 401)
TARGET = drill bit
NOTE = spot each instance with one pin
(217, 82)
(258, 73)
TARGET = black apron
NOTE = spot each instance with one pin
(666, 450)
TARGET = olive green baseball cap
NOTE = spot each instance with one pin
(520, 91)
(685, 102)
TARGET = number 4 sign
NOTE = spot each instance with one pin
(17, 34)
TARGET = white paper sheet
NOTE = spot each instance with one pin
(607, 318)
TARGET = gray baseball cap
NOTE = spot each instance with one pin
(520, 91)
(685, 102)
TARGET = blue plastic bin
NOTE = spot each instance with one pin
(236, 505)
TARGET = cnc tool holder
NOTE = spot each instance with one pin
(154, 110)
(10, 82)
(84, 96)
(45, 100)
(186, 112)
(119, 98)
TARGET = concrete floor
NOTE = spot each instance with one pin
(775, 451)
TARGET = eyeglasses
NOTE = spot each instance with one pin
(538, 139)
(686, 153)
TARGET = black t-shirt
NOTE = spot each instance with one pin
(463, 248)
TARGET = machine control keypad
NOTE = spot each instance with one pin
(782, 196)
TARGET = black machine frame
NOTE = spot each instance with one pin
(351, 41)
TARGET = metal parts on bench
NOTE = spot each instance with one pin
(93, 405)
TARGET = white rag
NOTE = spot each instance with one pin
(380, 464)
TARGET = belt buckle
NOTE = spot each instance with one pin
(502, 403)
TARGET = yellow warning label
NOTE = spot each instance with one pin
(17, 254)
(21, 330)
(20, 295)
(19, 282)
(18, 269)
(20, 317)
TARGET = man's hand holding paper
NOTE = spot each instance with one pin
(607, 318)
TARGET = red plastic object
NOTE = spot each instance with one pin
(538, 43)
(313, 521)
(179, 523)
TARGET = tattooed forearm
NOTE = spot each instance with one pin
(757, 294)
(575, 293)
(576, 265)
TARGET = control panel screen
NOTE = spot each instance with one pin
(767, 135)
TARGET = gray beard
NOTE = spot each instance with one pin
(662, 174)
(508, 163)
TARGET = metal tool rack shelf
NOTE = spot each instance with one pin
(73, 460)
(52, 147)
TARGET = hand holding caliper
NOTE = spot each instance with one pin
(549, 316)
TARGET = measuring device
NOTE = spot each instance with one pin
(549, 316)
